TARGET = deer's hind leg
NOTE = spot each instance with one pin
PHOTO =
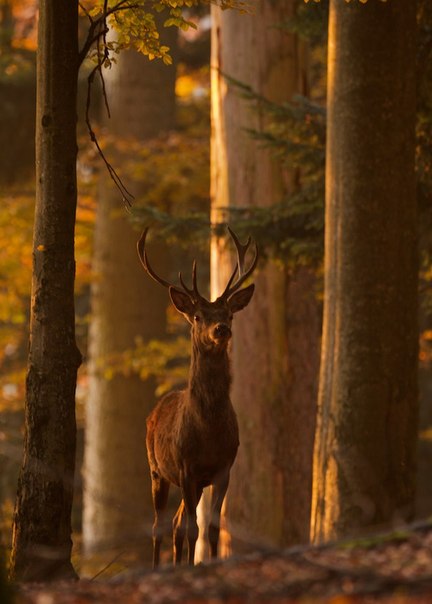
(179, 532)
(160, 490)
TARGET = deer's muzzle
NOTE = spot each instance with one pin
(222, 331)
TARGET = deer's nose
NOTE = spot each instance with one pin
(222, 330)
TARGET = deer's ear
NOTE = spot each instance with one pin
(241, 298)
(182, 302)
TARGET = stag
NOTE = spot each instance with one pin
(192, 434)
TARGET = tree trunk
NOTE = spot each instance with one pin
(365, 444)
(125, 305)
(42, 525)
(275, 343)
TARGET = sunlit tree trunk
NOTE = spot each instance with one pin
(125, 305)
(42, 523)
(364, 468)
(275, 340)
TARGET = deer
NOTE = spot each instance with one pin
(192, 434)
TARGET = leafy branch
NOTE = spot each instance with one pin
(146, 40)
(97, 36)
(135, 26)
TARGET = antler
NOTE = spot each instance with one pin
(144, 261)
(192, 293)
(142, 253)
(242, 275)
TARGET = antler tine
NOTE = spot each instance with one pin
(144, 260)
(190, 292)
(230, 280)
(194, 278)
(241, 255)
(193, 293)
(241, 250)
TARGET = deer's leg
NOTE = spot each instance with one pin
(160, 490)
(191, 497)
(219, 489)
(179, 531)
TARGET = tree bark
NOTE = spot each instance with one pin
(275, 342)
(126, 304)
(365, 448)
(42, 523)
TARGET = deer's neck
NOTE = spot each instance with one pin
(209, 378)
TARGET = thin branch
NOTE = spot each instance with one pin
(85, 11)
(104, 93)
(106, 56)
(127, 196)
(85, 49)
(97, 34)
(90, 40)
(105, 29)
(107, 566)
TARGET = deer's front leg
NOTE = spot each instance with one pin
(191, 496)
(218, 492)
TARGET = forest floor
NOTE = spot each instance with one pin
(388, 568)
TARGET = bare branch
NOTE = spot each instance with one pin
(85, 11)
(127, 196)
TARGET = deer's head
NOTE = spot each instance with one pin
(211, 321)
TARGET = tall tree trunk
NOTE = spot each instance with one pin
(275, 344)
(125, 304)
(42, 527)
(366, 436)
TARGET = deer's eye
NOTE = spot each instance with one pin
(197, 318)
